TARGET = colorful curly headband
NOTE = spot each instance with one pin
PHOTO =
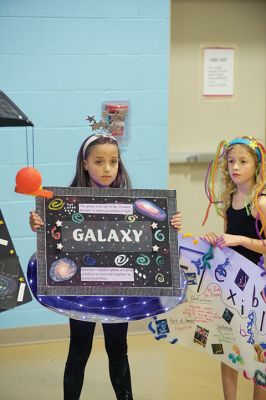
(222, 148)
(248, 142)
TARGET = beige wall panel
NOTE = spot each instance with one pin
(197, 124)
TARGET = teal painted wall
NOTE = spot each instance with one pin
(59, 60)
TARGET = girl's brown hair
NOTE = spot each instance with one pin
(82, 177)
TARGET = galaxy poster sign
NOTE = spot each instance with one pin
(107, 242)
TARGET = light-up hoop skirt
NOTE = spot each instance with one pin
(111, 309)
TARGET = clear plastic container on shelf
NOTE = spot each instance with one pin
(116, 114)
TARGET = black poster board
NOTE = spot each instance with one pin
(14, 290)
(107, 242)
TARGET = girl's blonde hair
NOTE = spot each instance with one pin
(230, 186)
(222, 199)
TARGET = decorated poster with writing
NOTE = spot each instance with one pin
(224, 313)
(14, 290)
(107, 242)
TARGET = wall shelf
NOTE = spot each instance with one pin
(191, 158)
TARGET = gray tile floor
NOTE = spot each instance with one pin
(160, 371)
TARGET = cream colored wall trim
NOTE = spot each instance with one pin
(54, 333)
(182, 158)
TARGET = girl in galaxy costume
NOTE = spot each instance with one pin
(242, 204)
(98, 165)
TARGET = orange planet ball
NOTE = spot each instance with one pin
(28, 180)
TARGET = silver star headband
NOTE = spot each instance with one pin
(102, 131)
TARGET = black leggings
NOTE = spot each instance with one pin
(81, 337)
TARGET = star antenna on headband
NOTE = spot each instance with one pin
(91, 119)
(100, 126)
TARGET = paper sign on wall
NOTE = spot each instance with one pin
(218, 72)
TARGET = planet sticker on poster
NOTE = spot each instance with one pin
(62, 270)
(150, 209)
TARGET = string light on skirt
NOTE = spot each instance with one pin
(111, 309)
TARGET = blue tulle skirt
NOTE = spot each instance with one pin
(109, 309)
